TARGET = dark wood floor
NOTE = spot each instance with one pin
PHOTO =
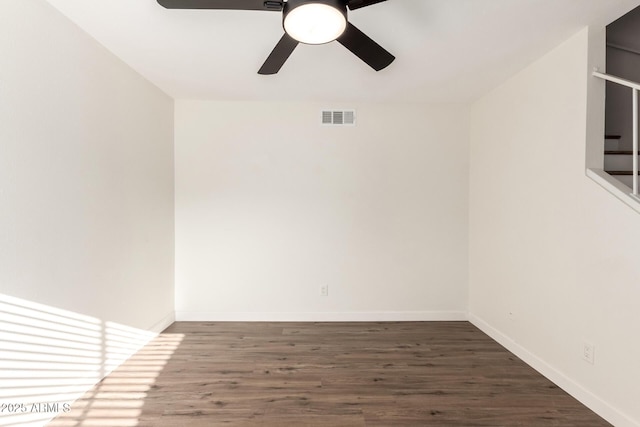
(326, 374)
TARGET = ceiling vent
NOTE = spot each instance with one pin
(338, 117)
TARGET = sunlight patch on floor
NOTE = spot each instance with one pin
(50, 357)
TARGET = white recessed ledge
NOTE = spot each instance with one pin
(615, 187)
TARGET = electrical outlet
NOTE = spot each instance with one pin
(324, 290)
(589, 352)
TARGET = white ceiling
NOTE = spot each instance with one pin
(446, 50)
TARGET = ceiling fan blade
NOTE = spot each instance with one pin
(357, 4)
(279, 55)
(275, 5)
(365, 48)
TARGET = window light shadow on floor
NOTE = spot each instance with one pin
(50, 357)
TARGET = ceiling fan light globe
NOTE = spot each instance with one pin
(315, 23)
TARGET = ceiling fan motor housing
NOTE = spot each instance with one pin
(337, 8)
(305, 21)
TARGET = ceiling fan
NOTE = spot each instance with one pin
(305, 21)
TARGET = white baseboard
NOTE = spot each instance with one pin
(586, 397)
(373, 316)
(163, 323)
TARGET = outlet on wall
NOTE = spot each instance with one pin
(589, 352)
(324, 290)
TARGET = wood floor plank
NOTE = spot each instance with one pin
(326, 374)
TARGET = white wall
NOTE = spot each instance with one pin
(270, 206)
(86, 190)
(553, 257)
